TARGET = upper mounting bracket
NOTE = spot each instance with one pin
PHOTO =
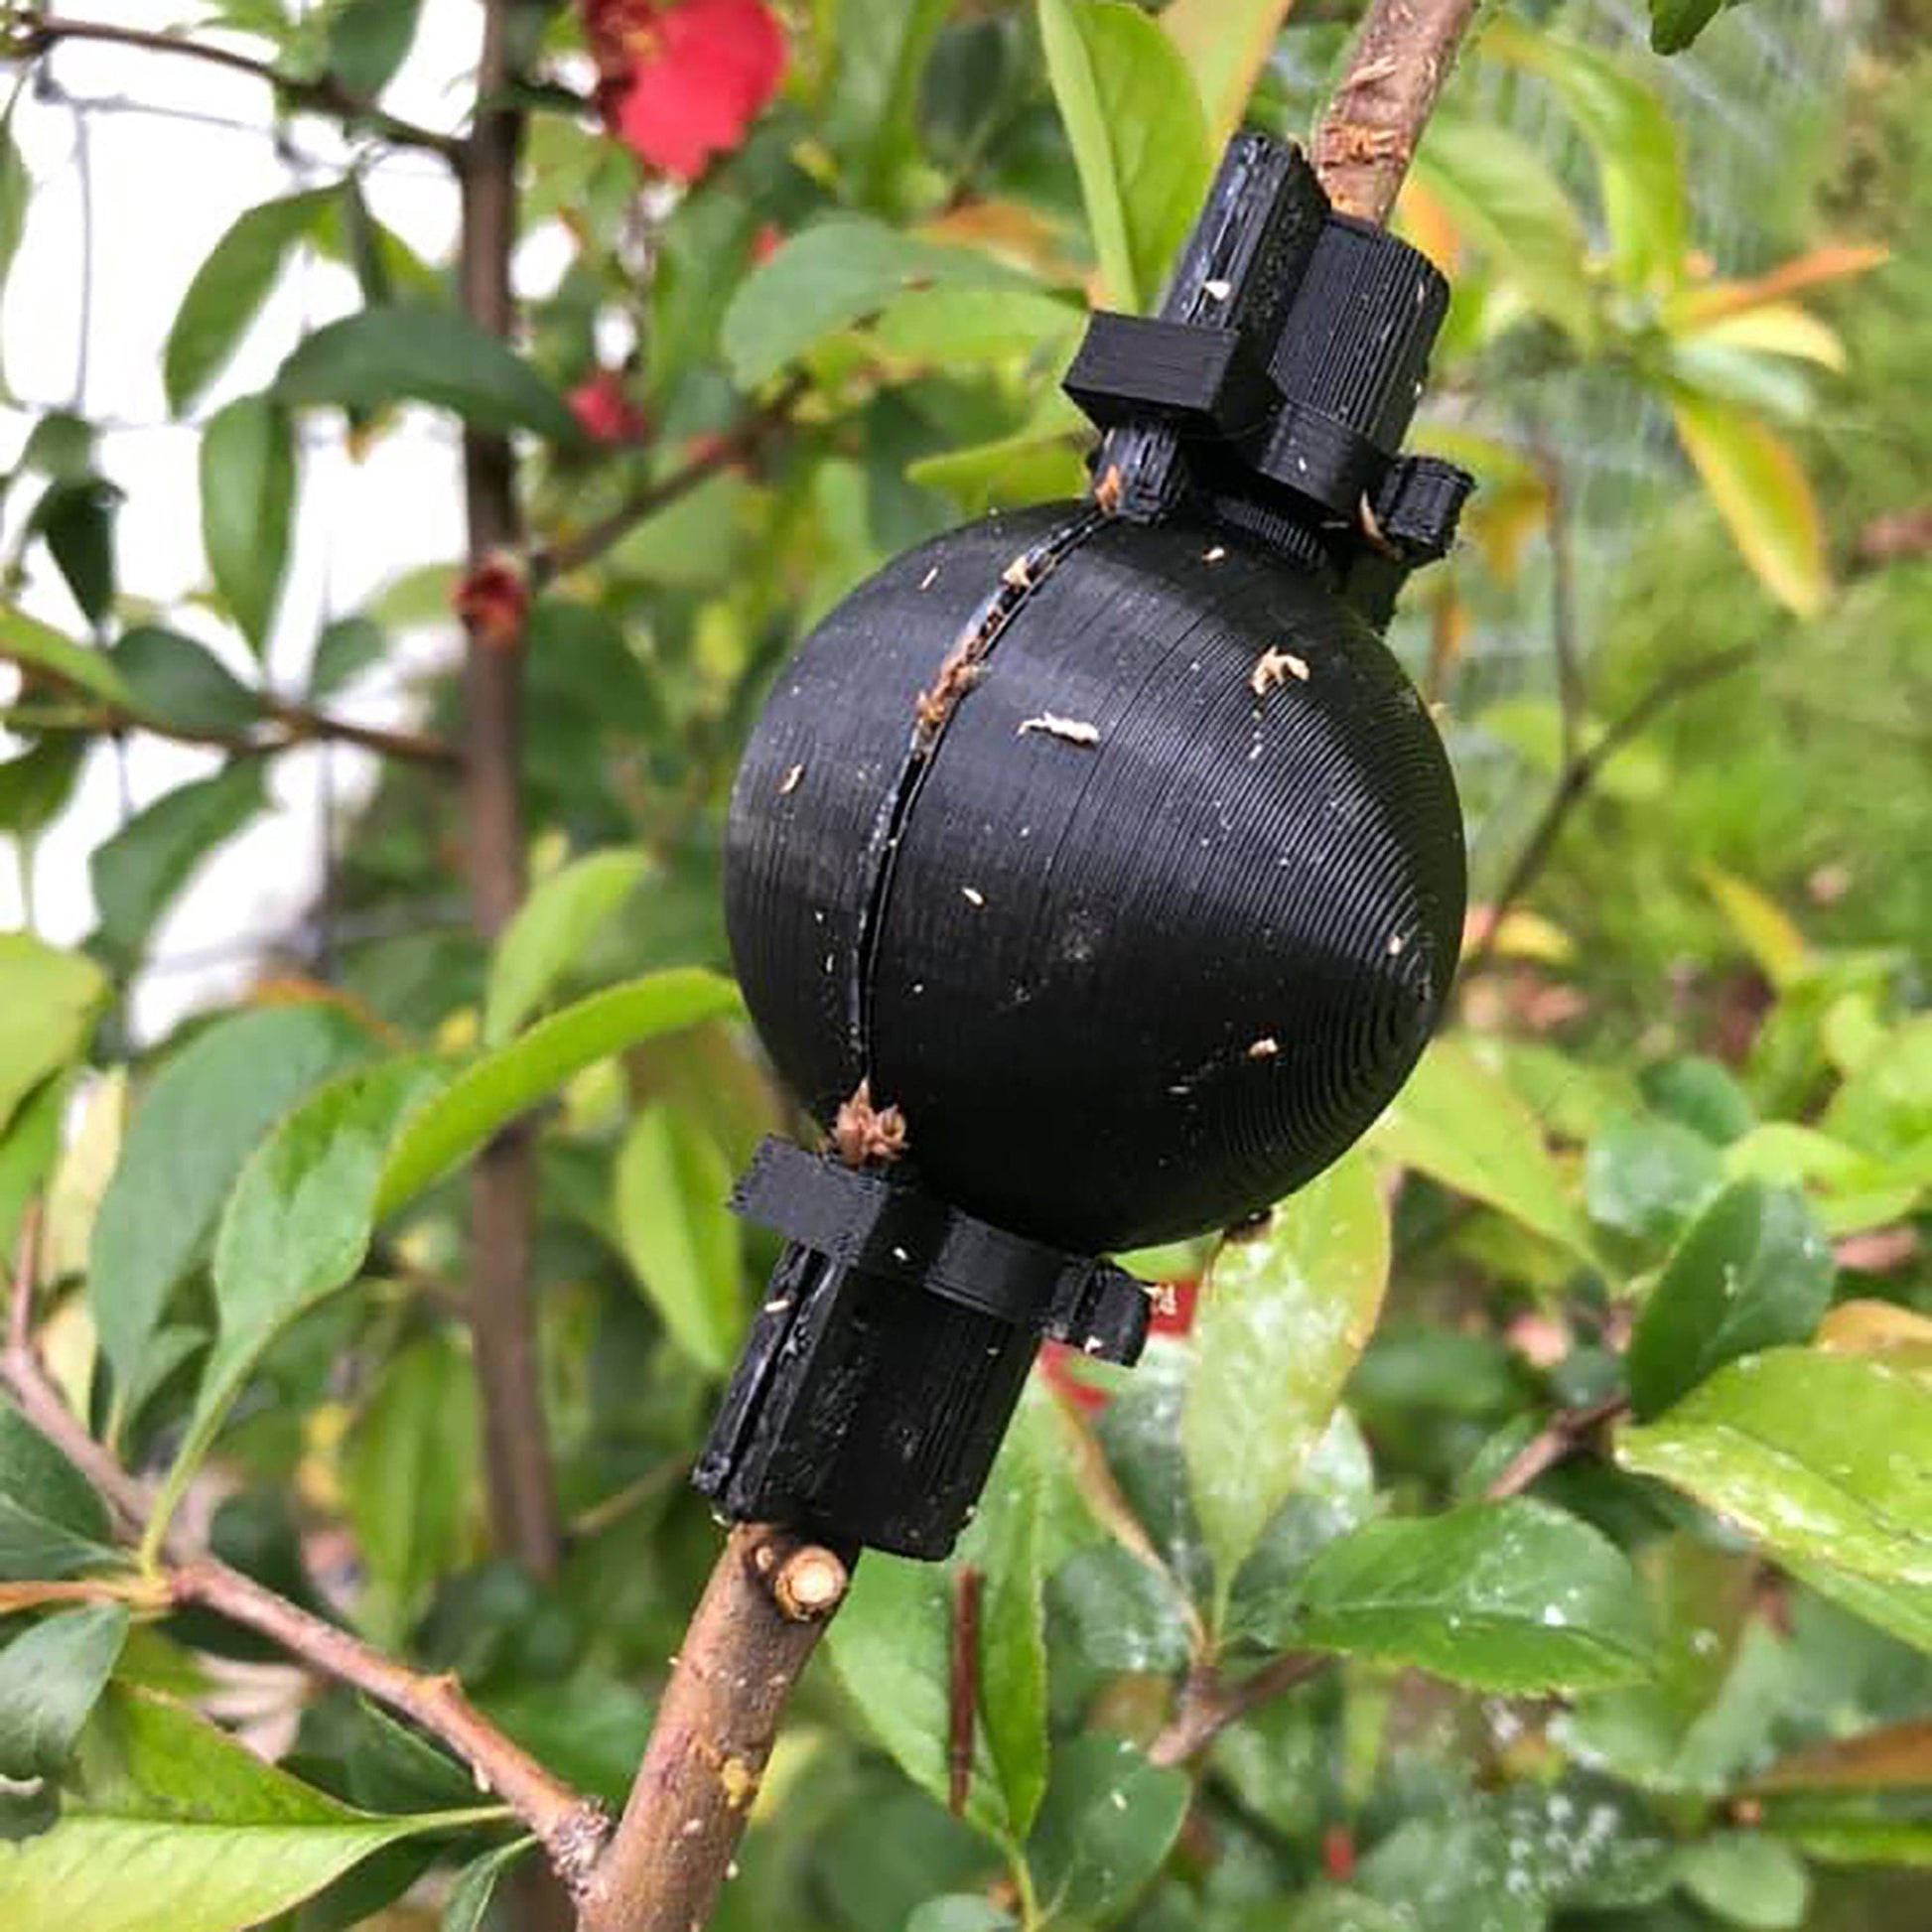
(1274, 386)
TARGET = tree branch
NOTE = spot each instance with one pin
(574, 552)
(1580, 774)
(1366, 139)
(502, 1191)
(300, 725)
(27, 35)
(571, 1827)
(1208, 1703)
(1565, 1432)
(767, 1605)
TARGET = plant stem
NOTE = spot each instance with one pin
(29, 35)
(1366, 139)
(1565, 1432)
(503, 1182)
(573, 552)
(762, 1613)
(1577, 777)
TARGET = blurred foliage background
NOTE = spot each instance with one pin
(1597, 1586)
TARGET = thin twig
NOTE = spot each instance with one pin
(570, 1826)
(1567, 1433)
(299, 725)
(25, 36)
(1576, 779)
(1562, 604)
(766, 1605)
(962, 1689)
(735, 446)
(1208, 1703)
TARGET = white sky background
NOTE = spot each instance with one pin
(163, 192)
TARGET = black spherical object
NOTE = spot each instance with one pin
(1121, 858)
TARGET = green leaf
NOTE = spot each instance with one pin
(295, 1229)
(1649, 1179)
(670, 1187)
(343, 652)
(75, 520)
(960, 1912)
(249, 477)
(1108, 1821)
(368, 40)
(52, 1523)
(47, 1004)
(1904, 1610)
(475, 1885)
(50, 1677)
(379, 356)
(138, 871)
(1004, 1544)
(1508, 1595)
(1674, 23)
(869, 112)
(228, 291)
(1747, 1878)
(1139, 142)
(1499, 193)
(35, 786)
(205, 1112)
(955, 326)
(1632, 140)
(1819, 1457)
(1760, 490)
(1226, 46)
(181, 684)
(36, 648)
(172, 1825)
(890, 1644)
(493, 1090)
(1285, 1314)
(408, 1477)
(1464, 1125)
(28, 1145)
(1121, 1611)
(831, 275)
(551, 928)
(1752, 1272)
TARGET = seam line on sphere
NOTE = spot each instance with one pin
(959, 670)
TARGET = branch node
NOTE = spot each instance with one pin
(810, 1583)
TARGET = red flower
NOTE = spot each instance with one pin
(606, 412)
(492, 600)
(681, 83)
(767, 243)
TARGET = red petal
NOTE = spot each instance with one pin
(713, 66)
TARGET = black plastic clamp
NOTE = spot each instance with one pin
(892, 1344)
(1275, 387)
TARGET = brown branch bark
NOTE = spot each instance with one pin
(1576, 778)
(1367, 137)
(1564, 1434)
(300, 725)
(1208, 1703)
(503, 1182)
(24, 36)
(571, 1827)
(767, 1603)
